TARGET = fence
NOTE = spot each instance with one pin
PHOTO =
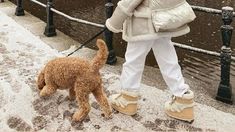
(224, 93)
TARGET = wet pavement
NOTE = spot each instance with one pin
(24, 51)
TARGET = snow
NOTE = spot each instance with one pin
(227, 8)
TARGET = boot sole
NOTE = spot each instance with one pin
(190, 121)
(183, 117)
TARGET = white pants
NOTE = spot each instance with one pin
(167, 60)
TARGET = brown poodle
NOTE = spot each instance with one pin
(80, 76)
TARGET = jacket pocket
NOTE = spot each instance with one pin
(139, 25)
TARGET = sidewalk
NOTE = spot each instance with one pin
(24, 51)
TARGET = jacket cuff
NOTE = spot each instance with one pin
(115, 22)
(111, 28)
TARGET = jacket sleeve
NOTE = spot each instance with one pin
(124, 9)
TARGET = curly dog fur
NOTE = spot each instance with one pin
(80, 76)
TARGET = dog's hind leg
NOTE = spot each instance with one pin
(82, 97)
(102, 100)
(40, 80)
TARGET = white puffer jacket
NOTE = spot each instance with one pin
(135, 18)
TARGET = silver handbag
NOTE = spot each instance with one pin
(174, 17)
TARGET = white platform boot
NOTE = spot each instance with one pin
(181, 107)
(125, 102)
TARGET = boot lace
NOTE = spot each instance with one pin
(173, 99)
(121, 101)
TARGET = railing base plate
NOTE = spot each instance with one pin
(225, 94)
(19, 12)
(50, 31)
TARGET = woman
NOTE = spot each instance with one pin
(146, 25)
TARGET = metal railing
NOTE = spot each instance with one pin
(69, 17)
(224, 91)
(50, 28)
(196, 8)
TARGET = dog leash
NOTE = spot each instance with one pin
(87, 42)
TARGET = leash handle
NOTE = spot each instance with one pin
(87, 42)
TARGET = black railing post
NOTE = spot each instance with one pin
(109, 35)
(50, 28)
(19, 8)
(224, 93)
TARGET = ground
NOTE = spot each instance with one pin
(23, 54)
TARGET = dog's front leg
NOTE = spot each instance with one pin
(82, 97)
(84, 107)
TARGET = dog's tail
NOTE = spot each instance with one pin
(41, 80)
(101, 57)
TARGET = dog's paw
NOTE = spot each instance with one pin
(109, 112)
(47, 91)
(108, 115)
(44, 93)
(77, 117)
